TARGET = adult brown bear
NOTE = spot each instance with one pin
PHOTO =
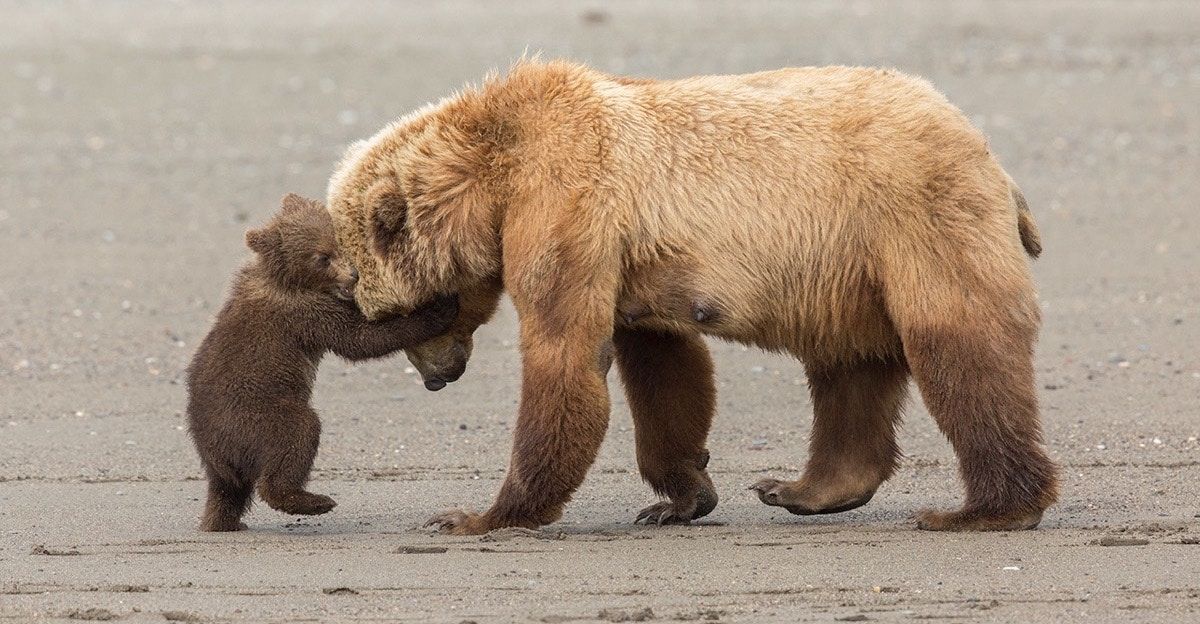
(851, 217)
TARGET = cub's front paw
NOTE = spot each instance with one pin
(459, 522)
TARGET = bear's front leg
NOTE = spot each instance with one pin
(561, 423)
(668, 380)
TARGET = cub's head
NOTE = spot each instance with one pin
(415, 209)
(299, 250)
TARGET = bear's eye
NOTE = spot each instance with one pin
(322, 260)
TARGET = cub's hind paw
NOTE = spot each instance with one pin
(222, 525)
(967, 520)
(303, 504)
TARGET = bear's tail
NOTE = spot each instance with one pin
(1031, 238)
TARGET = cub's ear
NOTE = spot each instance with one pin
(261, 240)
(292, 201)
(389, 214)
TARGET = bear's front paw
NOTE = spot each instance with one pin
(459, 522)
(665, 512)
(681, 510)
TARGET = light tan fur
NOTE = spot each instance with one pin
(851, 217)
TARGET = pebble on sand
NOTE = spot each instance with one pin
(1112, 540)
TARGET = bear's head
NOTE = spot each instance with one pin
(415, 210)
(298, 250)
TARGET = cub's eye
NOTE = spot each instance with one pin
(322, 260)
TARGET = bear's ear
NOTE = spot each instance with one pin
(389, 214)
(261, 240)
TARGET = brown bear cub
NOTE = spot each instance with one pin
(250, 382)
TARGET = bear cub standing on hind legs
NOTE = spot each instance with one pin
(250, 382)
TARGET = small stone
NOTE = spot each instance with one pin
(1121, 541)
(130, 589)
(53, 552)
(420, 550)
(625, 615)
(594, 17)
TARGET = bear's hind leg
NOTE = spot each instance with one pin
(228, 500)
(856, 408)
(287, 463)
(668, 380)
(979, 387)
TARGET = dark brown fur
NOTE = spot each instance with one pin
(251, 380)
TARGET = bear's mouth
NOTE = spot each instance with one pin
(344, 293)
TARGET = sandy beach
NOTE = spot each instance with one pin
(138, 140)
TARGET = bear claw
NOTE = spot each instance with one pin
(662, 513)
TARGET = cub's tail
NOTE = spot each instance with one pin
(1031, 239)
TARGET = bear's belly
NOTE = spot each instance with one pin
(810, 316)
